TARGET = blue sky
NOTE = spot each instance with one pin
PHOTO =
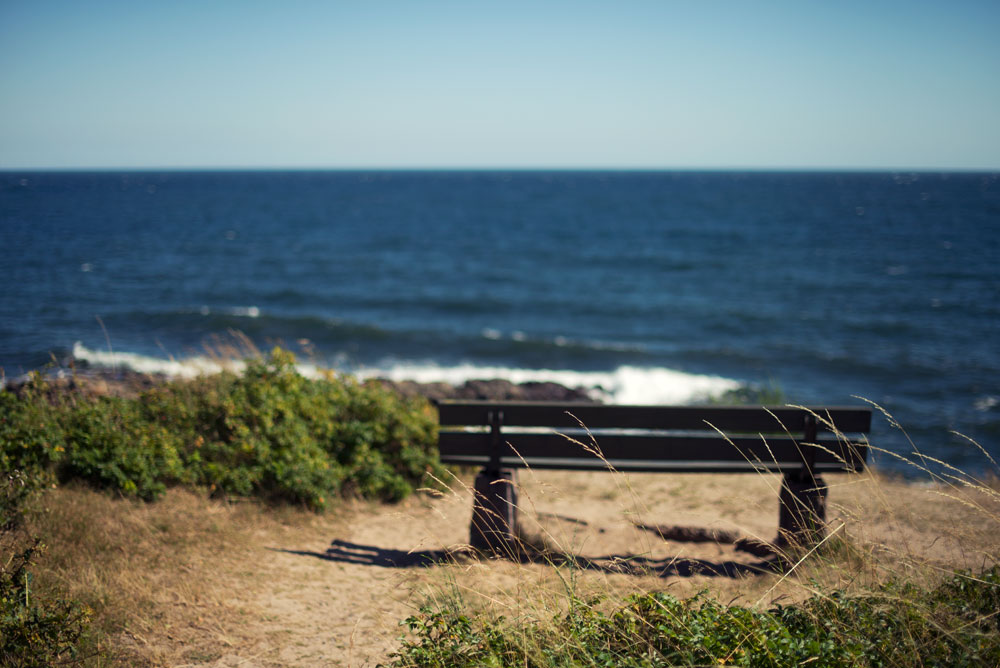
(900, 85)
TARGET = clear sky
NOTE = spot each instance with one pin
(369, 83)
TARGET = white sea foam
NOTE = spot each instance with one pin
(985, 403)
(238, 311)
(187, 367)
(624, 385)
(245, 311)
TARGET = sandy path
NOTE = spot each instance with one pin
(331, 590)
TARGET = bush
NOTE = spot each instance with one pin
(268, 432)
(113, 443)
(30, 436)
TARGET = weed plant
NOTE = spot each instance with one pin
(34, 630)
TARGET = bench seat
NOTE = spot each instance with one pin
(801, 443)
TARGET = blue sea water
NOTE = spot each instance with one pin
(655, 286)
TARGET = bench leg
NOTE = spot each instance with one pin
(802, 513)
(494, 513)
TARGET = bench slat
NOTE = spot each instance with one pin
(647, 466)
(654, 452)
(730, 419)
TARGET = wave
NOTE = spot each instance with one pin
(623, 385)
(188, 367)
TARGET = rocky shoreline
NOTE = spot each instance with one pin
(97, 382)
(491, 390)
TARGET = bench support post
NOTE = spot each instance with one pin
(494, 509)
(802, 512)
(802, 509)
(494, 513)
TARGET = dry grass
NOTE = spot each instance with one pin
(172, 581)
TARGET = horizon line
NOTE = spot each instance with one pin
(487, 169)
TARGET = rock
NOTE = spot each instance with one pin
(490, 390)
(539, 391)
(100, 382)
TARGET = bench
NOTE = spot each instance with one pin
(799, 443)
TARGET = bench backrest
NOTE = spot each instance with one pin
(653, 438)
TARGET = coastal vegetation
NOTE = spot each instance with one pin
(897, 624)
(146, 482)
(268, 433)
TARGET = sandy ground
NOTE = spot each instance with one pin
(247, 587)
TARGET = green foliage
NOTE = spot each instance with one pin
(268, 432)
(30, 436)
(955, 624)
(16, 490)
(112, 443)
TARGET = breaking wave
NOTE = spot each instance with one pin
(623, 385)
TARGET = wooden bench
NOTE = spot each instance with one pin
(799, 443)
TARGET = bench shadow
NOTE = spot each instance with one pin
(342, 551)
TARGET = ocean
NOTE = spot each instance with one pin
(649, 287)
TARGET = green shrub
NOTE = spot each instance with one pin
(112, 444)
(30, 436)
(899, 625)
(268, 432)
